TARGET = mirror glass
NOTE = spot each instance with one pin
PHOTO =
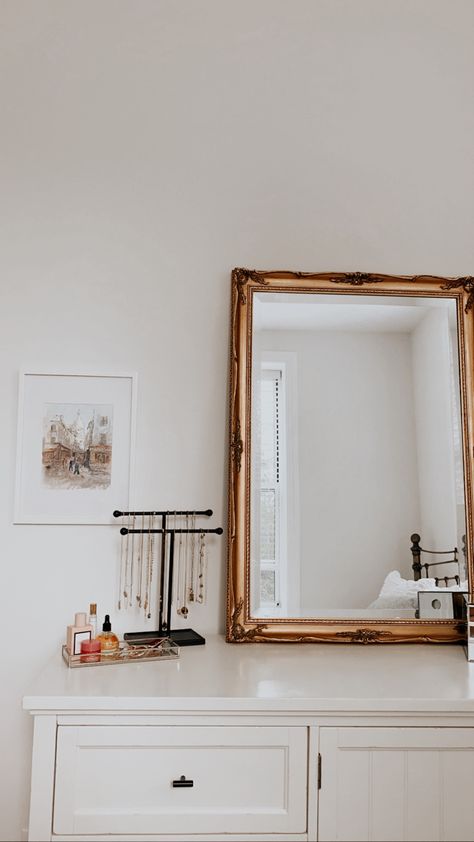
(356, 446)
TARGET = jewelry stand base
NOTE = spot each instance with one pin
(183, 637)
(186, 637)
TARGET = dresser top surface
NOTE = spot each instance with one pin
(267, 677)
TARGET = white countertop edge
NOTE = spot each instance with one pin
(101, 704)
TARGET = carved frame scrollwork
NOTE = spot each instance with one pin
(241, 627)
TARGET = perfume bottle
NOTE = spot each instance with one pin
(77, 632)
(109, 642)
(93, 618)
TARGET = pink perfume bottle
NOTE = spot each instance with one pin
(76, 633)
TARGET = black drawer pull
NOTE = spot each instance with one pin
(183, 782)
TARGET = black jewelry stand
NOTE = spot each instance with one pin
(183, 637)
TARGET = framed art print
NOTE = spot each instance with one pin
(74, 447)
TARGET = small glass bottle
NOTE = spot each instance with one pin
(90, 651)
(109, 642)
(93, 619)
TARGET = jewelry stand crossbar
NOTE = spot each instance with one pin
(183, 637)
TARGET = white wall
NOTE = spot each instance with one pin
(145, 149)
(357, 465)
(432, 374)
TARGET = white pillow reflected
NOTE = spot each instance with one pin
(397, 592)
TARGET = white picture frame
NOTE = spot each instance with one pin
(75, 446)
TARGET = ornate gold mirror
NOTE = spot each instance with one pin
(350, 504)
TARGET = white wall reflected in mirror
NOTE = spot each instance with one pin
(356, 444)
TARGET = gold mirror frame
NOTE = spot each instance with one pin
(245, 282)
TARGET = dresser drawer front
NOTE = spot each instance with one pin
(119, 780)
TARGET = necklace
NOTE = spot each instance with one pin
(145, 600)
(132, 561)
(140, 563)
(152, 547)
(192, 571)
(202, 564)
(122, 556)
(125, 578)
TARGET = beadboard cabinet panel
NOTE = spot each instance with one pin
(119, 780)
(396, 784)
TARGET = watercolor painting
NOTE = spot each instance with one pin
(77, 445)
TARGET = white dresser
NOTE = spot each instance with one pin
(257, 742)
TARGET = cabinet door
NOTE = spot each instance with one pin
(396, 784)
(180, 780)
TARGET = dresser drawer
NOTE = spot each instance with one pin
(127, 779)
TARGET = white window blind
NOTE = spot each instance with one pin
(270, 486)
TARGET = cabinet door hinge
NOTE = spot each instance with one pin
(319, 771)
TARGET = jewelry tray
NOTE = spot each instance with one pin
(162, 650)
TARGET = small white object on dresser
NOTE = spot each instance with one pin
(257, 742)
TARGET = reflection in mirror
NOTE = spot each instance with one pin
(356, 447)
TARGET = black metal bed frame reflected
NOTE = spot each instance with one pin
(420, 567)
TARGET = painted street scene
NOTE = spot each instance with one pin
(77, 445)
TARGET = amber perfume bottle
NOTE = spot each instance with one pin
(109, 642)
